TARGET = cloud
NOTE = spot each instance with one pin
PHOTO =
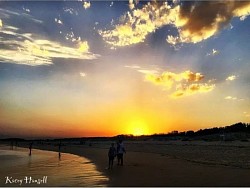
(144, 71)
(230, 98)
(30, 49)
(1, 23)
(83, 47)
(26, 9)
(134, 26)
(82, 74)
(192, 89)
(58, 21)
(186, 83)
(33, 49)
(169, 78)
(213, 52)
(195, 21)
(141, 70)
(70, 11)
(242, 18)
(4, 13)
(246, 114)
(132, 66)
(86, 4)
(231, 78)
(233, 98)
(131, 4)
(203, 20)
(71, 36)
(241, 9)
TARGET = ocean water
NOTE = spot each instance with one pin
(46, 168)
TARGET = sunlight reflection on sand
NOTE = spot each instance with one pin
(68, 170)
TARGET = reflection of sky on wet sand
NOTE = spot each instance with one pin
(69, 170)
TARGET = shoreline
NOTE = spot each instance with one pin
(154, 169)
(17, 165)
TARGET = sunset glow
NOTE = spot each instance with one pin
(138, 127)
(101, 68)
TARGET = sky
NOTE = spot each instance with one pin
(103, 68)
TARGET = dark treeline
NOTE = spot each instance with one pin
(242, 130)
(220, 131)
(233, 132)
(226, 133)
(238, 127)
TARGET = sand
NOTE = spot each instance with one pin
(170, 164)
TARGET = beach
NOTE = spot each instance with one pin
(172, 163)
(47, 168)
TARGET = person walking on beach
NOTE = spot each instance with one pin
(30, 147)
(111, 155)
(120, 151)
(59, 149)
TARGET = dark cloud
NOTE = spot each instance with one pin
(201, 20)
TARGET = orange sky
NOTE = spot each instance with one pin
(109, 69)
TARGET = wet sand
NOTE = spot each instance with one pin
(151, 165)
(46, 168)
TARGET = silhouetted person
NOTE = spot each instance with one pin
(111, 155)
(59, 149)
(30, 147)
(120, 151)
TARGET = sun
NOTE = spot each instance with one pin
(137, 131)
(138, 127)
